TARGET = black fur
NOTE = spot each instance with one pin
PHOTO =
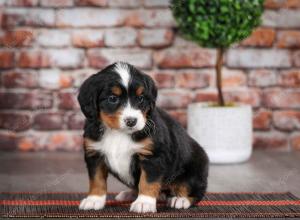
(176, 158)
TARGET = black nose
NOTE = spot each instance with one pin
(130, 121)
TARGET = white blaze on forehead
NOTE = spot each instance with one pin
(123, 70)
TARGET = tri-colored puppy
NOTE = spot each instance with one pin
(126, 135)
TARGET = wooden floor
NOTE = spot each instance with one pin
(61, 171)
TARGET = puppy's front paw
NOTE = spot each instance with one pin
(126, 195)
(179, 202)
(93, 202)
(143, 204)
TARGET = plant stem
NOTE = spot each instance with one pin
(219, 64)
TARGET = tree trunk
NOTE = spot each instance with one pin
(219, 64)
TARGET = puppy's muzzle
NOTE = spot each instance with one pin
(130, 121)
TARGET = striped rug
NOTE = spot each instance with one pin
(214, 205)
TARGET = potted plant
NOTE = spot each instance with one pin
(223, 129)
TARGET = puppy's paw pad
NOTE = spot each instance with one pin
(126, 195)
(93, 203)
(143, 204)
(179, 202)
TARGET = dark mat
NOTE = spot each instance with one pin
(214, 205)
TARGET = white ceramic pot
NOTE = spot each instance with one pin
(224, 132)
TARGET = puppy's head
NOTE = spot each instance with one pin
(120, 96)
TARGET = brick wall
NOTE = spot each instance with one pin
(49, 47)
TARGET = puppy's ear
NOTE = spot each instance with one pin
(87, 98)
(153, 91)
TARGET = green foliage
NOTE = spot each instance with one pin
(217, 23)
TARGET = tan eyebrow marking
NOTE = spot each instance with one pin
(116, 90)
(139, 91)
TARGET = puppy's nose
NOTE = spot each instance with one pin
(130, 121)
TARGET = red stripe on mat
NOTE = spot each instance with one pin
(111, 202)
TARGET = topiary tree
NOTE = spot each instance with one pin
(217, 24)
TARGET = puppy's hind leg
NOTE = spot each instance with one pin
(126, 195)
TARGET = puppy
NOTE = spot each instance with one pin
(126, 135)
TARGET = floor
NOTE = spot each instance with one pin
(62, 171)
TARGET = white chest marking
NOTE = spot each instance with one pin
(118, 149)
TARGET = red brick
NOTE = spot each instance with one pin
(157, 38)
(88, 38)
(287, 120)
(171, 99)
(33, 59)
(262, 78)
(48, 121)
(21, 3)
(29, 142)
(150, 18)
(8, 141)
(246, 96)
(89, 17)
(295, 141)
(192, 79)
(65, 141)
(270, 140)
(28, 17)
(288, 39)
(65, 81)
(180, 116)
(15, 121)
(76, 121)
(258, 58)
(56, 3)
(52, 79)
(181, 42)
(6, 59)
(120, 37)
(1, 16)
(53, 38)
(66, 58)
(19, 79)
(97, 59)
(260, 37)
(79, 75)
(156, 3)
(164, 79)
(290, 78)
(285, 18)
(50, 141)
(26, 100)
(262, 119)
(17, 38)
(139, 58)
(276, 4)
(230, 78)
(296, 58)
(67, 101)
(125, 3)
(281, 98)
(206, 96)
(182, 58)
(99, 3)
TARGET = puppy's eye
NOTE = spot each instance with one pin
(141, 99)
(113, 99)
